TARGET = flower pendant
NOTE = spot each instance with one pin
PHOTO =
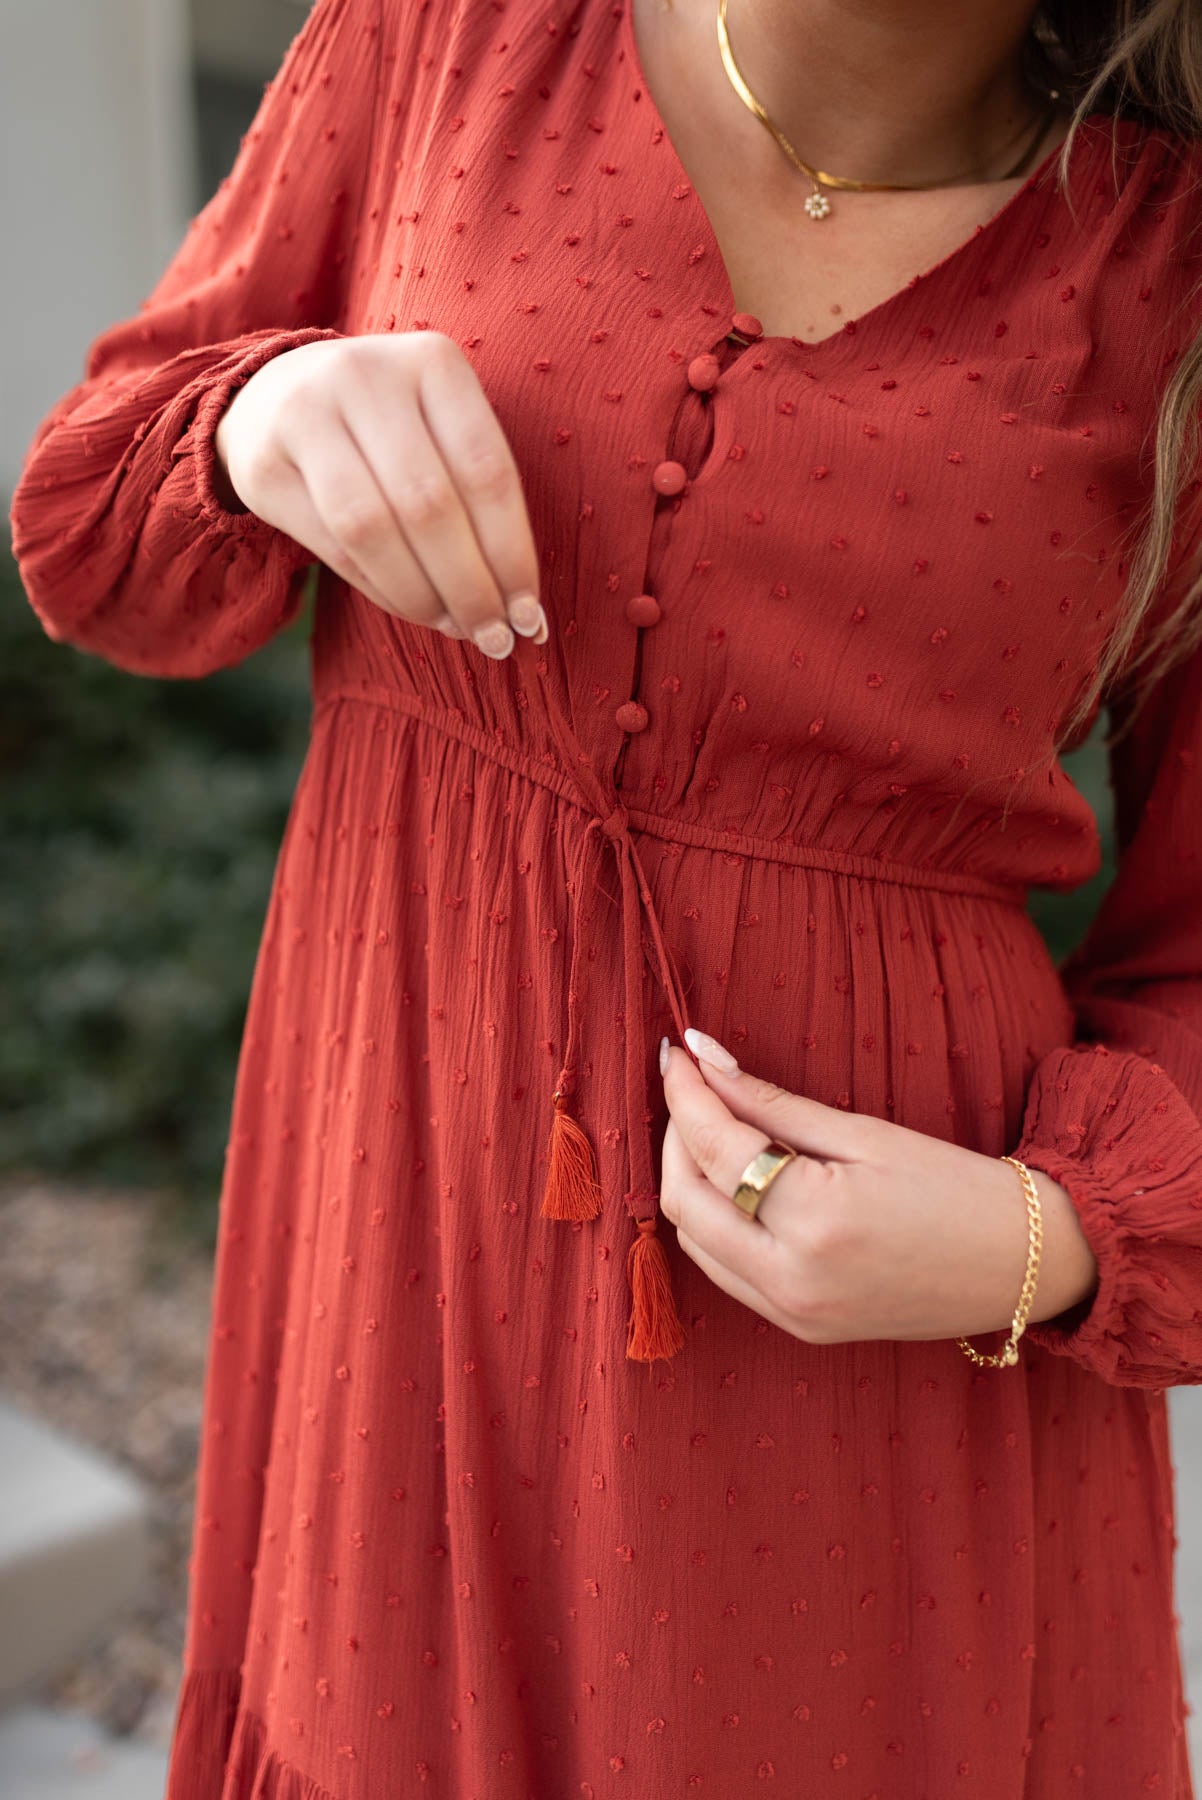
(817, 204)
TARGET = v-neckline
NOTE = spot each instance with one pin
(884, 310)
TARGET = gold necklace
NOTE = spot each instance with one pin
(817, 204)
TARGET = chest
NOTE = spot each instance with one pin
(919, 516)
(800, 277)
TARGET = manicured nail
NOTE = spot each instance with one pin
(449, 628)
(663, 1056)
(544, 630)
(711, 1051)
(525, 614)
(495, 639)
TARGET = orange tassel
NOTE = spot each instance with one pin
(572, 1190)
(654, 1329)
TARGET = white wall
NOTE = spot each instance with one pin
(97, 157)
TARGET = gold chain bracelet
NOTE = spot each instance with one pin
(1009, 1351)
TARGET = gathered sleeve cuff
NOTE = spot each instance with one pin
(148, 567)
(1119, 1136)
(1116, 1116)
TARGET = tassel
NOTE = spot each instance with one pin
(654, 1329)
(572, 1190)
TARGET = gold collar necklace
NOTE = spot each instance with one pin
(817, 204)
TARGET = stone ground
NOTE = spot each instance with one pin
(103, 1332)
(1185, 1404)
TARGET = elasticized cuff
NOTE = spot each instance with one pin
(1118, 1135)
(199, 442)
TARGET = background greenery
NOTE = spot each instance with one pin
(139, 826)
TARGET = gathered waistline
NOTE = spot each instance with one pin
(679, 831)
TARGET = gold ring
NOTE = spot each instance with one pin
(759, 1175)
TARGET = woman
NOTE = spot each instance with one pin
(533, 1464)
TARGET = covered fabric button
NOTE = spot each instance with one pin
(747, 325)
(669, 477)
(631, 716)
(703, 372)
(643, 610)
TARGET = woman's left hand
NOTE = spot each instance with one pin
(871, 1231)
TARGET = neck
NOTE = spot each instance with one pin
(887, 90)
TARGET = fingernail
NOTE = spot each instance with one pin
(525, 614)
(449, 627)
(544, 630)
(495, 639)
(663, 1055)
(711, 1051)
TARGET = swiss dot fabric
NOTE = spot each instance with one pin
(785, 771)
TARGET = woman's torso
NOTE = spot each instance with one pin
(899, 549)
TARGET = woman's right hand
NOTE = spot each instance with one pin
(382, 455)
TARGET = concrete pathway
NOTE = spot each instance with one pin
(74, 1546)
(1185, 1406)
(47, 1753)
(74, 1550)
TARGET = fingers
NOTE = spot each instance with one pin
(720, 1145)
(423, 531)
(290, 496)
(740, 1254)
(824, 1131)
(746, 1292)
(453, 491)
(353, 518)
(382, 455)
(474, 448)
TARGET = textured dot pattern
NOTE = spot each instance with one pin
(782, 769)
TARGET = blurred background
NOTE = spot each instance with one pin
(139, 824)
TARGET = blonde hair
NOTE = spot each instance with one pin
(1139, 59)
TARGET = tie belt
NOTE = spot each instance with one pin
(573, 1191)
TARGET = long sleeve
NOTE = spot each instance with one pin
(123, 545)
(1116, 1117)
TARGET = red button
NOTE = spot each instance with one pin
(669, 477)
(631, 716)
(747, 325)
(643, 610)
(703, 372)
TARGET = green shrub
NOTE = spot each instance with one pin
(1064, 918)
(139, 826)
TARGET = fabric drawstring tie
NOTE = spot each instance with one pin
(573, 1191)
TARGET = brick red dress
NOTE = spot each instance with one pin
(784, 770)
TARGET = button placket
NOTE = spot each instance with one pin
(745, 325)
(632, 715)
(669, 477)
(643, 611)
(703, 373)
(670, 480)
